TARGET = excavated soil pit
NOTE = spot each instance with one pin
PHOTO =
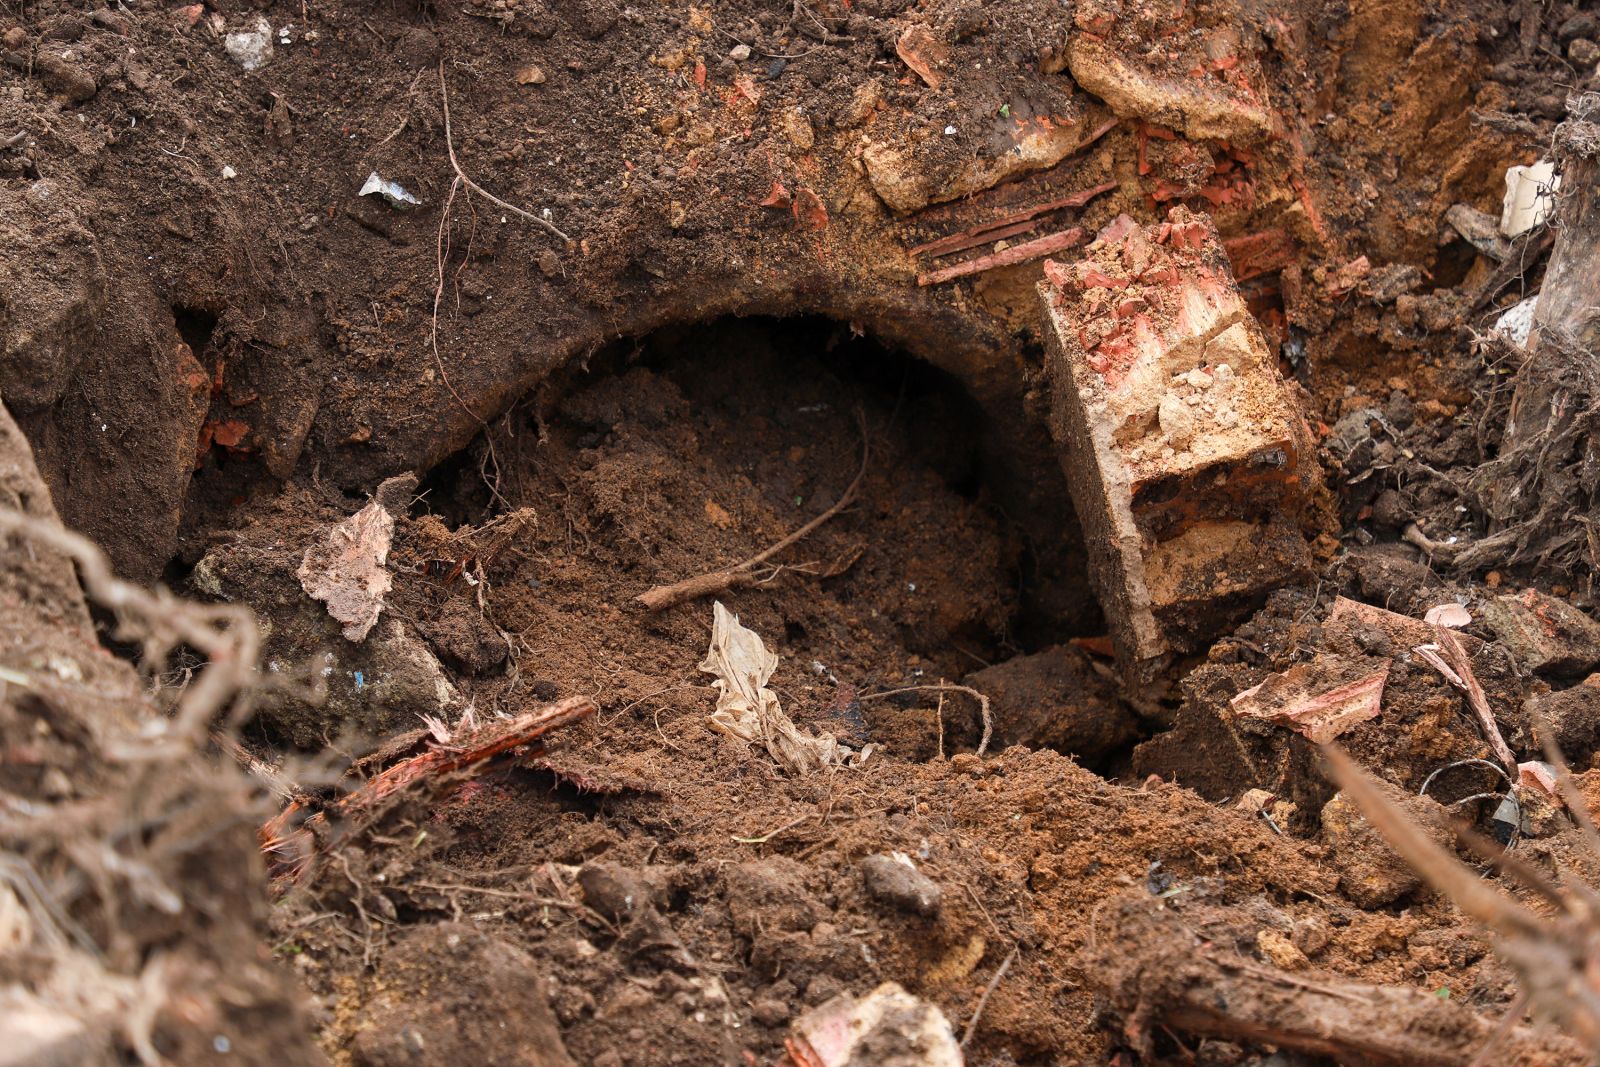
(697, 447)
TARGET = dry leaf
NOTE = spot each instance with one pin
(748, 710)
(1452, 615)
(1318, 699)
(347, 570)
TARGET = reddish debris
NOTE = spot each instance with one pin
(777, 196)
(289, 841)
(809, 211)
(923, 53)
(1255, 254)
(1023, 253)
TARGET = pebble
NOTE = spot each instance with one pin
(1177, 421)
(613, 891)
(739, 53)
(900, 884)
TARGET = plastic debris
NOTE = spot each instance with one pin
(748, 710)
(393, 192)
(251, 49)
(1530, 197)
(887, 1026)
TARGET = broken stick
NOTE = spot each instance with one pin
(748, 572)
(1163, 972)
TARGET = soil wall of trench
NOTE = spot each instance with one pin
(198, 306)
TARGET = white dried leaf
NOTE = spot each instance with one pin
(1452, 615)
(748, 710)
(347, 570)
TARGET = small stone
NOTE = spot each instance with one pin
(532, 74)
(1177, 421)
(14, 38)
(1198, 378)
(769, 1011)
(613, 891)
(251, 49)
(1280, 951)
(897, 882)
(1584, 53)
(1579, 25)
(739, 53)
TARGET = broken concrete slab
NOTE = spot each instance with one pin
(909, 173)
(1212, 88)
(1181, 445)
(888, 1027)
(1545, 633)
(1352, 627)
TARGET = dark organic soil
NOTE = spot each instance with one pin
(216, 350)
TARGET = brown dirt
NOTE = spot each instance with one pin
(215, 350)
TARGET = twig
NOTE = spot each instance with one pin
(983, 704)
(450, 147)
(1468, 684)
(662, 597)
(1028, 250)
(983, 1001)
(770, 834)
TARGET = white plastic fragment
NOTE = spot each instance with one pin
(251, 49)
(1517, 321)
(393, 192)
(1530, 196)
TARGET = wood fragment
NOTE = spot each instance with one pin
(748, 572)
(289, 847)
(955, 242)
(1023, 253)
(1160, 972)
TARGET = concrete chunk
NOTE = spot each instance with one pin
(1545, 633)
(1183, 450)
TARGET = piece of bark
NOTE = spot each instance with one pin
(1158, 968)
